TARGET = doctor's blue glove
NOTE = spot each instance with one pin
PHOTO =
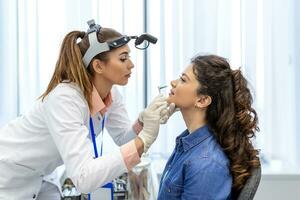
(150, 118)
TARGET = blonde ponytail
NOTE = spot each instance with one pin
(70, 67)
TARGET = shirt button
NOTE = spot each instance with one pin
(169, 190)
(34, 195)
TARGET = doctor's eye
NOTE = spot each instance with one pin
(124, 58)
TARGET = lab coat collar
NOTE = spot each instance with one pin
(99, 105)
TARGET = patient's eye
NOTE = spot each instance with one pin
(182, 79)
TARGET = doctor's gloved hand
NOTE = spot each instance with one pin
(166, 113)
(150, 118)
(157, 100)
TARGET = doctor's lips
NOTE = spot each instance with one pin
(128, 75)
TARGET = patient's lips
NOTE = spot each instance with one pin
(171, 94)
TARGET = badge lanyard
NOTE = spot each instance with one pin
(93, 136)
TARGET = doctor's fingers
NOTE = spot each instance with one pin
(172, 108)
(168, 111)
(164, 112)
(164, 115)
(163, 120)
(161, 108)
(158, 98)
(155, 105)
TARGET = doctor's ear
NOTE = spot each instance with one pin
(203, 101)
(98, 66)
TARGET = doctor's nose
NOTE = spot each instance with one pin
(130, 65)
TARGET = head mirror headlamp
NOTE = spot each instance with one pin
(97, 47)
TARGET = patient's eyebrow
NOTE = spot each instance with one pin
(184, 74)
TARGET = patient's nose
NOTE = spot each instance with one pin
(173, 83)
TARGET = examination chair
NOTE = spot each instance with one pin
(249, 190)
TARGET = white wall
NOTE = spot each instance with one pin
(279, 187)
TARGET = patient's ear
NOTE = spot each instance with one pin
(203, 101)
(98, 66)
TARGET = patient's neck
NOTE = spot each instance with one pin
(193, 119)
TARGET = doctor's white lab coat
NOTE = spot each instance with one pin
(56, 132)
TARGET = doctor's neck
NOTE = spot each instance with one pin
(102, 85)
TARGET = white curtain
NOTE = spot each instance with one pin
(257, 35)
(9, 64)
(31, 34)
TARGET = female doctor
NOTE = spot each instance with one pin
(79, 97)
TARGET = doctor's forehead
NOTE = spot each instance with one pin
(122, 50)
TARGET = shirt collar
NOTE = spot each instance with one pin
(99, 105)
(188, 141)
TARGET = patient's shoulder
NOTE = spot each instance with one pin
(208, 155)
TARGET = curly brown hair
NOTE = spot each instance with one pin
(230, 115)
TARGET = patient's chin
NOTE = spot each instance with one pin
(169, 100)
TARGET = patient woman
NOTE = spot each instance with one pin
(213, 157)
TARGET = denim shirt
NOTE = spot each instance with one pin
(197, 169)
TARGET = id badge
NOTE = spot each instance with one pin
(104, 193)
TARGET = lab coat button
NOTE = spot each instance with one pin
(34, 195)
